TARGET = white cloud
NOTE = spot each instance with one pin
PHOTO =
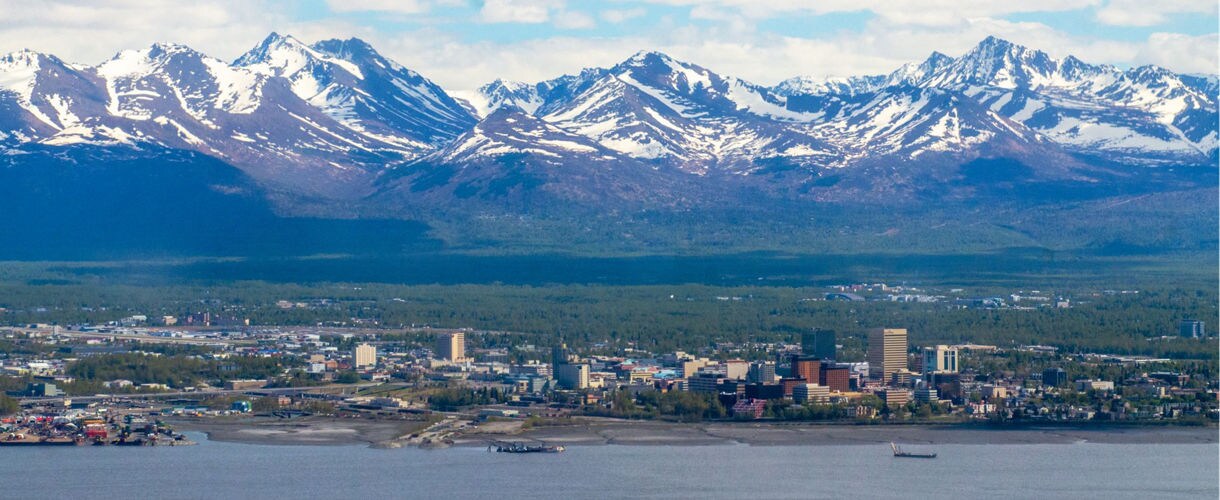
(615, 16)
(1150, 13)
(571, 20)
(392, 6)
(1190, 54)
(90, 32)
(925, 12)
(518, 11)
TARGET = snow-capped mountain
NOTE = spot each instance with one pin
(258, 114)
(1142, 115)
(354, 85)
(335, 118)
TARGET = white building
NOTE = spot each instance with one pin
(940, 359)
(365, 356)
(804, 393)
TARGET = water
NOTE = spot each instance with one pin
(227, 470)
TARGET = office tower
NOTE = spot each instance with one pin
(939, 359)
(761, 372)
(806, 368)
(887, 352)
(451, 346)
(837, 378)
(1192, 328)
(819, 344)
(572, 376)
(559, 355)
(1054, 377)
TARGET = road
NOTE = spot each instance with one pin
(199, 394)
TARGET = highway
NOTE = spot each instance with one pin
(198, 394)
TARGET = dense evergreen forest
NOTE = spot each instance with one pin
(656, 318)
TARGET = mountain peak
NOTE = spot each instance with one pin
(647, 56)
(163, 49)
(262, 52)
(995, 41)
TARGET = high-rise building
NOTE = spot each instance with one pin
(939, 359)
(736, 369)
(835, 377)
(806, 368)
(560, 354)
(1192, 328)
(819, 344)
(364, 356)
(887, 352)
(451, 346)
(1054, 377)
(572, 376)
(761, 372)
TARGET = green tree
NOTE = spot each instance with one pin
(8, 406)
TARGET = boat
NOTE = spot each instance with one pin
(525, 448)
(899, 452)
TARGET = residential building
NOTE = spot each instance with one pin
(887, 352)
(364, 356)
(749, 408)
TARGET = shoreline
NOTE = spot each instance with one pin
(324, 431)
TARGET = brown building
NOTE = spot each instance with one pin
(836, 378)
(789, 384)
(806, 368)
(894, 397)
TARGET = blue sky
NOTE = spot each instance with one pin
(464, 43)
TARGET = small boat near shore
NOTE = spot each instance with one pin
(524, 448)
(900, 453)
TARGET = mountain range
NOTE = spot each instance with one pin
(334, 129)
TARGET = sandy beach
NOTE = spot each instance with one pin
(299, 431)
(596, 431)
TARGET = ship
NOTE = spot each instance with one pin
(524, 448)
(899, 452)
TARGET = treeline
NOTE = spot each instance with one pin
(680, 405)
(661, 318)
(175, 371)
(454, 398)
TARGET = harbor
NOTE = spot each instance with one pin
(81, 429)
